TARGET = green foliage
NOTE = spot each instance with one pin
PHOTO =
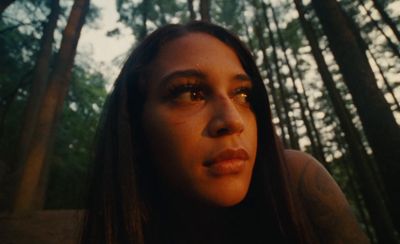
(292, 35)
(74, 140)
(147, 15)
(19, 45)
(226, 13)
(17, 49)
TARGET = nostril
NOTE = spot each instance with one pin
(222, 131)
(226, 119)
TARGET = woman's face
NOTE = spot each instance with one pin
(200, 129)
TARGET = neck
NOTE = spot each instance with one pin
(191, 222)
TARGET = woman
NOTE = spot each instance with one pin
(187, 153)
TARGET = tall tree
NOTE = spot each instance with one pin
(205, 10)
(378, 121)
(385, 81)
(73, 144)
(270, 84)
(39, 80)
(316, 134)
(318, 153)
(53, 98)
(376, 207)
(389, 41)
(386, 18)
(365, 45)
(146, 15)
(144, 9)
(294, 143)
(191, 10)
(4, 4)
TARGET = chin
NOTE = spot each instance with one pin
(226, 197)
(228, 202)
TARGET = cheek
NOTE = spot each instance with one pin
(254, 137)
(177, 146)
(168, 133)
(250, 135)
(172, 144)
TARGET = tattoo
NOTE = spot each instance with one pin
(327, 208)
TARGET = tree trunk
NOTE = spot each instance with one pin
(381, 128)
(53, 97)
(298, 96)
(379, 216)
(191, 10)
(387, 19)
(386, 82)
(292, 136)
(353, 185)
(317, 138)
(375, 23)
(249, 42)
(205, 10)
(144, 8)
(41, 190)
(39, 81)
(4, 4)
(8, 176)
(246, 27)
(162, 13)
(267, 65)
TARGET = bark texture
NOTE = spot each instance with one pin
(145, 5)
(293, 139)
(389, 41)
(386, 18)
(270, 78)
(380, 126)
(191, 10)
(39, 81)
(316, 151)
(53, 99)
(205, 10)
(378, 212)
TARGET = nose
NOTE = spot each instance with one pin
(225, 119)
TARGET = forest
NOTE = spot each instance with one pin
(331, 69)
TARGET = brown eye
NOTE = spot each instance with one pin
(242, 95)
(196, 95)
(187, 93)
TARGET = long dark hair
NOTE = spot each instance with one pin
(121, 206)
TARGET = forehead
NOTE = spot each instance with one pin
(198, 49)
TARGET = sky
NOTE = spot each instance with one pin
(107, 53)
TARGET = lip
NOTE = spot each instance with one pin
(227, 162)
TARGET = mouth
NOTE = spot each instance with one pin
(227, 162)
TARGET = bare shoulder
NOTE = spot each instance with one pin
(324, 202)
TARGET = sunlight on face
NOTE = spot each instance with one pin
(200, 129)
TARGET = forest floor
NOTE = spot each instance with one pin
(42, 227)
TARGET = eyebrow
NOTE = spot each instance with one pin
(241, 77)
(195, 73)
(182, 74)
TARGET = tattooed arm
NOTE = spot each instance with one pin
(324, 202)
